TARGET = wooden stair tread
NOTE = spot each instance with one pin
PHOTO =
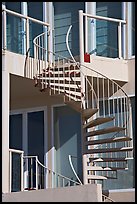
(96, 177)
(89, 112)
(93, 151)
(104, 131)
(97, 121)
(108, 140)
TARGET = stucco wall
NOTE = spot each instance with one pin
(83, 193)
(123, 195)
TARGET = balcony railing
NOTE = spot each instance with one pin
(16, 31)
(95, 29)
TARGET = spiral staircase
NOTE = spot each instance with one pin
(104, 106)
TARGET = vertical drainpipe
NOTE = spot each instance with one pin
(5, 120)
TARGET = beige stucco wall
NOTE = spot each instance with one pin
(129, 87)
(112, 68)
(82, 193)
(125, 195)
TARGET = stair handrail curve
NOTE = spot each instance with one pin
(127, 105)
(106, 197)
(72, 167)
(80, 64)
(128, 99)
(53, 172)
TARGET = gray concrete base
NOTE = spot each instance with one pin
(122, 195)
(82, 193)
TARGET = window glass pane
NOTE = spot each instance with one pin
(16, 172)
(35, 10)
(107, 32)
(36, 134)
(15, 34)
(15, 132)
(14, 6)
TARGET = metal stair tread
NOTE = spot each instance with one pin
(76, 105)
(89, 112)
(99, 168)
(108, 140)
(104, 131)
(93, 151)
(97, 121)
(116, 168)
(96, 177)
(108, 159)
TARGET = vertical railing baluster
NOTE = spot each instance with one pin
(31, 171)
(103, 97)
(113, 112)
(10, 167)
(119, 41)
(86, 34)
(4, 30)
(22, 177)
(108, 99)
(98, 91)
(63, 77)
(36, 172)
(117, 107)
(69, 94)
(58, 77)
(92, 92)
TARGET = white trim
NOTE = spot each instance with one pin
(34, 109)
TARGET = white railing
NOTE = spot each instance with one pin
(18, 170)
(39, 176)
(27, 26)
(84, 40)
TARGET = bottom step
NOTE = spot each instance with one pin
(95, 177)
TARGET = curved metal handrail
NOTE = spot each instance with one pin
(106, 197)
(72, 167)
(68, 43)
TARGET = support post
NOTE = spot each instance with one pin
(5, 126)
